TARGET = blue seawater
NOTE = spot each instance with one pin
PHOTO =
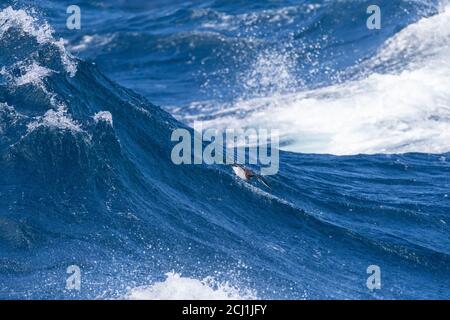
(86, 177)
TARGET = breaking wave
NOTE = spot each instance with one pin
(398, 104)
(176, 287)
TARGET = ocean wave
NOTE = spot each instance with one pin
(87, 177)
(42, 32)
(404, 110)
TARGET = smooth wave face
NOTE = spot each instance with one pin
(86, 171)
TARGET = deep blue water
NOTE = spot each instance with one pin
(364, 120)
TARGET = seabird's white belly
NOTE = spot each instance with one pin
(240, 173)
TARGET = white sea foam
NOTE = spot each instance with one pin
(33, 74)
(224, 21)
(176, 287)
(58, 119)
(406, 109)
(26, 73)
(89, 41)
(103, 116)
(29, 72)
(41, 31)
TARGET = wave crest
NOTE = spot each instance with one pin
(20, 21)
(403, 108)
(176, 287)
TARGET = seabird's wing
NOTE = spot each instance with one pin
(263, 181)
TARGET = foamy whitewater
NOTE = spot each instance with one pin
(85, 151)
(403, 110)
(176, 287)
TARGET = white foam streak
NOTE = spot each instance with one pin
(222, 21)
(90, 41)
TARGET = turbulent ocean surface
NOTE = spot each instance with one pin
(86, 177)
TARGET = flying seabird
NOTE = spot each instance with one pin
(247, 174)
